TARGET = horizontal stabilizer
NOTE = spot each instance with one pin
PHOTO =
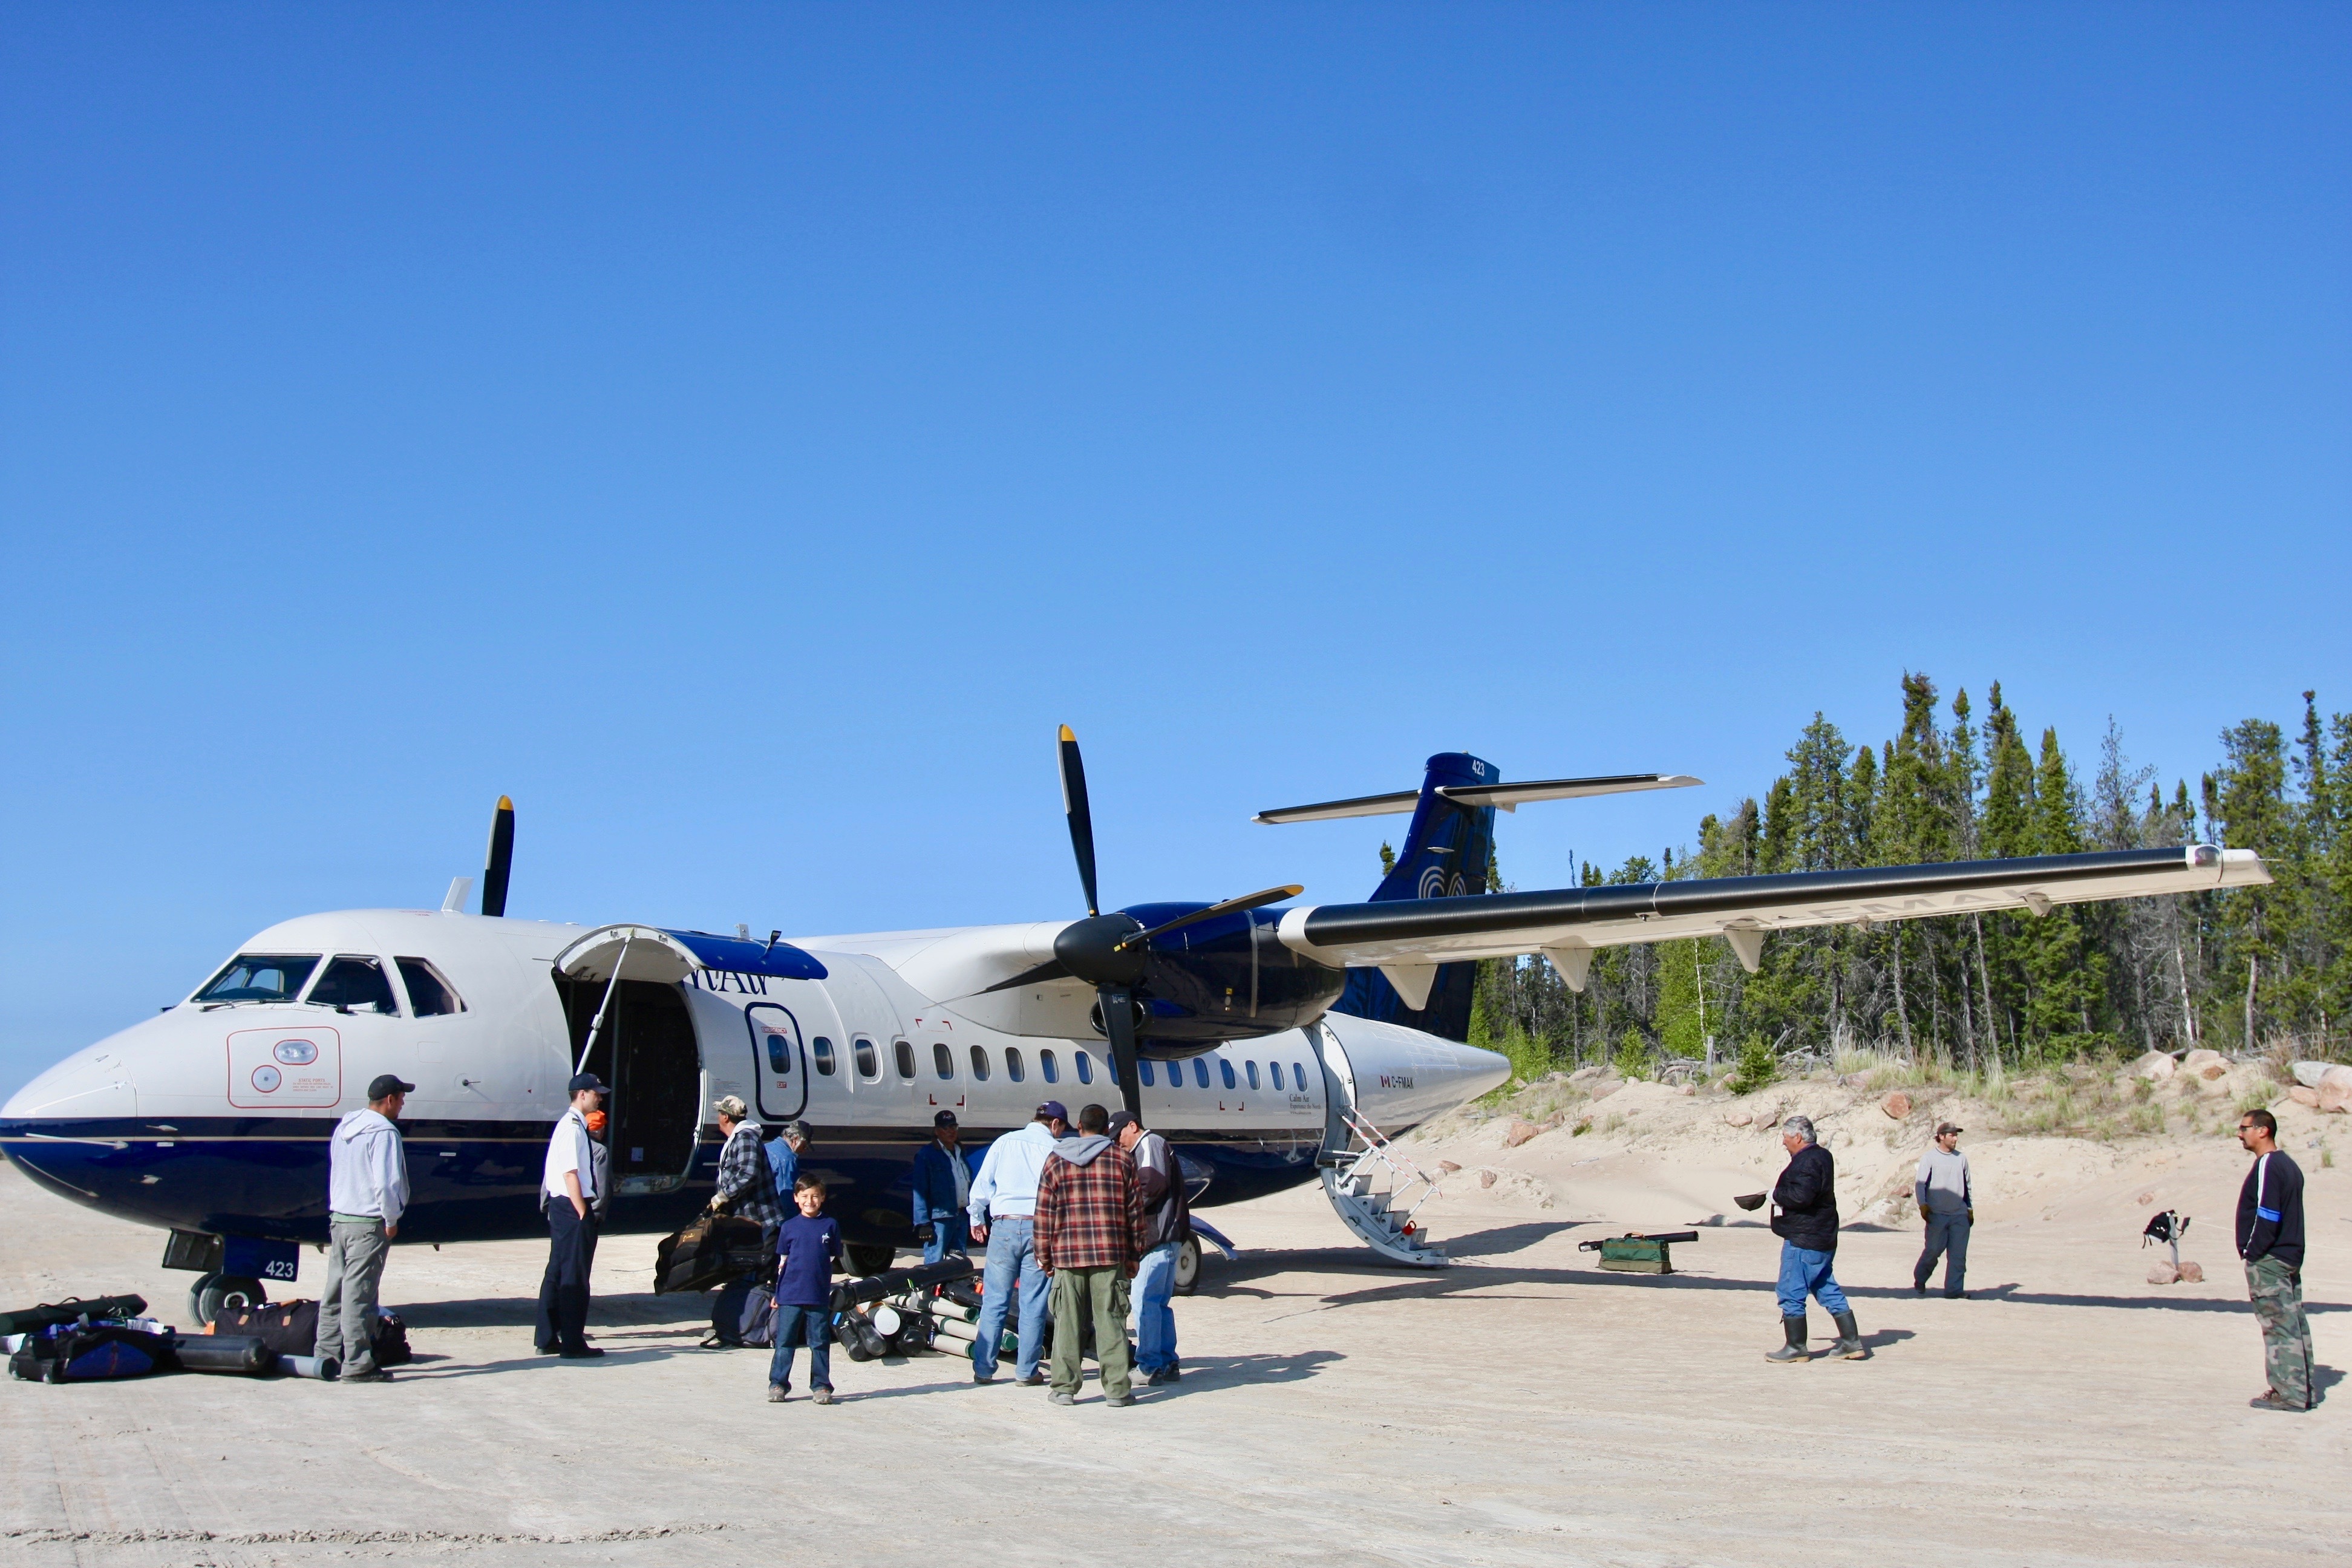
(1510, 797)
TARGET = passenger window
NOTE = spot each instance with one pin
(822, 1049)
(1298, 1077)
(1274, 1071)
(1226, 1068)
(906, 1055)
(942, 1059)
(869, 1061)
(356, 985)
(260, 977)
(1085, 1067)
(430, 995)
(1252, 1073)
(1012, 1063)
(1200, 1071)
(1047, 1065)
(1145, 1068)
(979, 1065)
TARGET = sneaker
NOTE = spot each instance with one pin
(1956, 1295)
(370, 1374)
(1035, 1380)
(984, 1377)
(822, 1395)
(579, 1352)
(776, 1391)
(543, 1350)
(2273, 1402)
(1164, 1374)
(1918, 1286)
(1119, 1401)
(1060, 1397)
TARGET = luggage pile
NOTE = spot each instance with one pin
(900, 1312)
(107, 1339)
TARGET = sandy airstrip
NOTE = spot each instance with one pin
(1522, 1408)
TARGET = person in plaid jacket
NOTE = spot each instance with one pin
(1092, 1228)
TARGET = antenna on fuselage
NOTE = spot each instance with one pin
(500, 861)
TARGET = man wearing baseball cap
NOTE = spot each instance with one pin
(567, 1193)
(943, 1190)
(367, 1190)
(1003, 1207)
(1949, 1206)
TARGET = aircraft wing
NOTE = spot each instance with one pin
(1410, 936)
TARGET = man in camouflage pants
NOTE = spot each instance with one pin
(2270, 1238)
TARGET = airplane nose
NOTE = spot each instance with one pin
(96, 1082)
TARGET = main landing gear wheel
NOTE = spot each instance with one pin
(1188, 1265)
(866, 1258)
(212, 1293)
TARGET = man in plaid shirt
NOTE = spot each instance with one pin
(1092, 1228)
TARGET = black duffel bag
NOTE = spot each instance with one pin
(291, 1328)
(90, 1352)
(713, 1249)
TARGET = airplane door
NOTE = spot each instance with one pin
(780, 1061)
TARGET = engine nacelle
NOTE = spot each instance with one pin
(1225, 979)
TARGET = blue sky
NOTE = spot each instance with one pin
(744, 433)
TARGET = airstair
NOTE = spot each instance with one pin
(1374, 1187)
(1378, 1192)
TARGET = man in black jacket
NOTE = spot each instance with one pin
(2270, 1238)
(1805, 1218)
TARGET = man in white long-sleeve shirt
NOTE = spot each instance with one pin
(367, 1192)
(1004, 1207)
(1948, 1205)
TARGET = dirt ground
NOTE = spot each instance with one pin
(1522, 1408)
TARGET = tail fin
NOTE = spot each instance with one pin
(1447, 850)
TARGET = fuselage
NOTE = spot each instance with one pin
(214, 1115)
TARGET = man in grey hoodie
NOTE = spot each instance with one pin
(367, 1190)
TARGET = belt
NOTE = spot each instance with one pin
(334, 1217)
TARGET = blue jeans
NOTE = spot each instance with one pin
(797, 1326)
(1804, 1272)
(1155, 1323)
(1012, 1260)
(942, 1236)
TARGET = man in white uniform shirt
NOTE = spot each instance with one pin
(367, 1192)
(567, 1193)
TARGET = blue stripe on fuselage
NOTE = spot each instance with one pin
(266, 1177)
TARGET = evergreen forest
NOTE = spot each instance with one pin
(2254, 969)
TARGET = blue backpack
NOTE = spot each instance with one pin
(85, 1351)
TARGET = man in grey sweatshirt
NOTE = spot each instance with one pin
(1949, 1206)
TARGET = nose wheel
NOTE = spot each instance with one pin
(1188, 1265)
(212, 1293)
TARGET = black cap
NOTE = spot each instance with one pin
(944, 1118)
(1947, 1127)
(587, 1080)
(1121, 1121)
(385, 1085)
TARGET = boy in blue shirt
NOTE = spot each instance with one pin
(808, 1249)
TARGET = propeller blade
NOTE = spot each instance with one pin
(1082, 821)
(1119, 1025)
(1229, 907)
(502, 858)
(1052, 969)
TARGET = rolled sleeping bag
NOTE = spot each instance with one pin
(954, 1311)
(950, 1329)
(241, 1354)
(874, 1287)
(868, 1340)
(325, 1368)
(886, 1319)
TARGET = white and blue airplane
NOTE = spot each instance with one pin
(1268, 1044)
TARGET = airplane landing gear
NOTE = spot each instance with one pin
(869, 1258)
(212, 1293)
(1188, 1265)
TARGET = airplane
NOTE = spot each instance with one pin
(1273, 1046)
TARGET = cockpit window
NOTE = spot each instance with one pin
(260, 977)
(430, 995)
(356, 984)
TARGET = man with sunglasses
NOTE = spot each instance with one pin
(2270, 1238)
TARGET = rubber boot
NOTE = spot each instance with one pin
(1795, 1348)
(1849, 1346)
